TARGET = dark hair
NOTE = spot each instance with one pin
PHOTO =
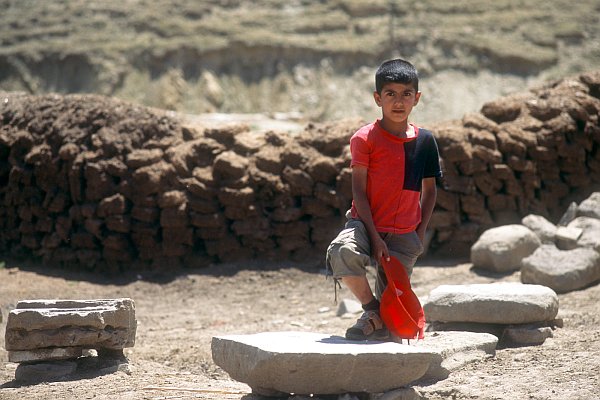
(396, 71)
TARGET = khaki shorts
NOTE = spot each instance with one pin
(349, 253)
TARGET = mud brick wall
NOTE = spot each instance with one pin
(93, 182)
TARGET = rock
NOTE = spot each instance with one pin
(349, 306)
(313, 363)
(456, 350)
(527, 335)
(36, 324)
(501, 249)
(544, 229)
(494, 303)
(569, 215)
(45, 372)
(590, 207)
(567, 236)
(409, 393)
(561, 270)
(590, 236)
(54, 353)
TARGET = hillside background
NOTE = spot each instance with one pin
(305, 60)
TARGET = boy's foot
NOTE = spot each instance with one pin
(368, 327)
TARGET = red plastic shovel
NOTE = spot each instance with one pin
(401, 309)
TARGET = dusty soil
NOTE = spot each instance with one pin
(179, 313)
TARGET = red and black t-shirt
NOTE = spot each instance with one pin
(396, 166)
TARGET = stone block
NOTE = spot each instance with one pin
(527, 335)
(37, 324)
(456, 349)
(303, 363)
(590, 207)
(567, 237)
(494, 303)
(45, 372)
(562, 270)
(544, 229)
(502, 249)
(53, 353)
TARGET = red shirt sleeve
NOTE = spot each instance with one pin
(360, 150)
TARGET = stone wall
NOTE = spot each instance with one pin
(95, 182)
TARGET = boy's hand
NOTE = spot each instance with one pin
(379, 249)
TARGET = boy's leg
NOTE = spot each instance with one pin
(407, 248)
(348, 257)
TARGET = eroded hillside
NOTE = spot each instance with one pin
(307, 57)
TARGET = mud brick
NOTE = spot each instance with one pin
(509, 145)
(501, 202)
(119, 223)
(116, 242)
(459, 184)
(92, 324)
(489, 155)
(472, 166)
(548, 170)
(254, 227)
(487, 184)
(175, 217)
(473, 204)
(295, 228)
(520, 164)
(236, 197)
(442, 219)
(179, 235)
(235, 213)
(145, 214)
(83, 240)
(513, 187)
(541, 153)
(214, 220)
(578, 180)
(316, 208)
(501, 171)
(287, 214)
(446, 200)
(205, 206)
(483, 219)
(571, 165)
(211, 233)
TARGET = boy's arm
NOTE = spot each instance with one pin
(428, 197)
(379, 249)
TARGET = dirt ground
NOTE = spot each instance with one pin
(179, 313)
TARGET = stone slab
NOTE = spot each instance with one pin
(276, 363)
(501, 249)
(527, 335)
(493, 303)
(456, 349)
(48, 354)
(567, 237)
(104, 323)
(562, 270)
(45, 372)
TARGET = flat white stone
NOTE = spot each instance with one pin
(493, 303)
(567, 236)
(105, 323)
(562, 270)
(590, 207)
(315, 363)
(501, 249)
(456, 349)
(55, 353)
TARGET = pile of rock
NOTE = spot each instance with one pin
(564, 257)
(46, 336)
(516, 313)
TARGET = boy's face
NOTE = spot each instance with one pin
(397, 101)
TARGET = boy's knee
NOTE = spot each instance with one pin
(344, 260)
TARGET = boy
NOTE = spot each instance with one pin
(394, 166)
